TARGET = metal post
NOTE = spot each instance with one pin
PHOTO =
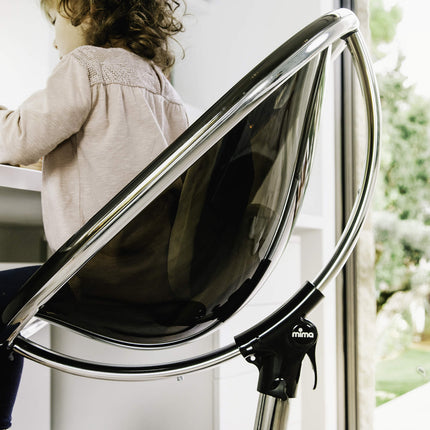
(272, 413)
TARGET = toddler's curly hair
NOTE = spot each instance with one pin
(145, 27)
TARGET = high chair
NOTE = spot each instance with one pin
(185, 245)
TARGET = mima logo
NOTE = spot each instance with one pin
(302, 334)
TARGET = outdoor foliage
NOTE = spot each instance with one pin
(402, 206)
(383, 24)
(412, 369)
(401, 219)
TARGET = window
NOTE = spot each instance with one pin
(387, 309)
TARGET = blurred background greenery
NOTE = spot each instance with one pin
(401, 216)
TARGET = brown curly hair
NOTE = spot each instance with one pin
(145, 27)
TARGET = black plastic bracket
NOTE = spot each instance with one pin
(278, 345)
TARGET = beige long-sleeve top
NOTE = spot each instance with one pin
(103, 116)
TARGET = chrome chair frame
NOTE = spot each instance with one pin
(335, 31)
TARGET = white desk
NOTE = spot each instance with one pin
(20, 196)
(20, 178)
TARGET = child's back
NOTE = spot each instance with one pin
(133, 114)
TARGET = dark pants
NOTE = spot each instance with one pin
(10, 363)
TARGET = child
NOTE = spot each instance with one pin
(106, 112)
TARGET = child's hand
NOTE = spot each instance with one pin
(34, 166)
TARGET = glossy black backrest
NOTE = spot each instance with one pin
(197, 253)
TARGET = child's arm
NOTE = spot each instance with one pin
(48, 117)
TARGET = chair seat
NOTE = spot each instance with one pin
(133, 324)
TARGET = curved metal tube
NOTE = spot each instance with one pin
(359, 211)
(112, 372)
(158, 178)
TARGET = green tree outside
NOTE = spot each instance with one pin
(401, 220)
(402, 204)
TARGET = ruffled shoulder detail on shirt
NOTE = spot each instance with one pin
(108, 66)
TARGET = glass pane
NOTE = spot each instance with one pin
(198, 251)
(401, 218)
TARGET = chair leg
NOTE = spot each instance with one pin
(272, 413)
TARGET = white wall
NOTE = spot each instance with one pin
(172, 403)
(225, 39)
(26, 50)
